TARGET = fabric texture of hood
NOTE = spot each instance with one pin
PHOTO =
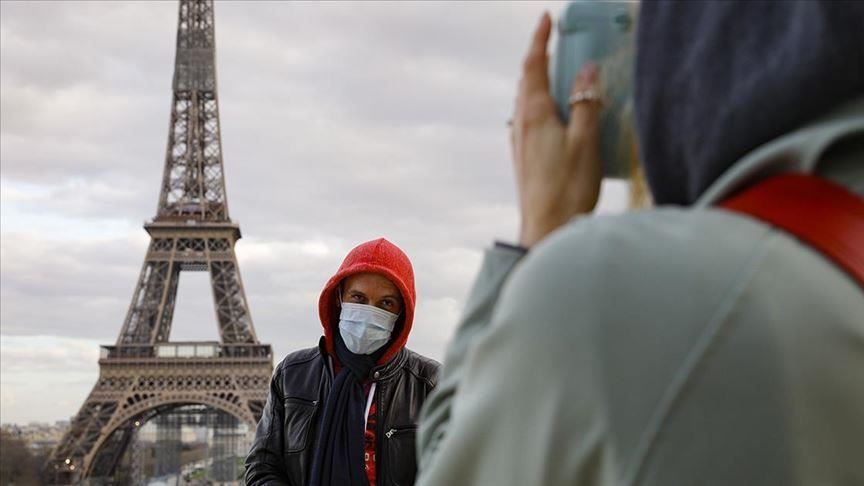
(715, 80)
(383, 258)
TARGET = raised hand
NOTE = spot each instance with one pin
(557, 167)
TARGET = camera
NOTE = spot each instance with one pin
(603, 32)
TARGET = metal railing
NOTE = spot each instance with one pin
(186, 350)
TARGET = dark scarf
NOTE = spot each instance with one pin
(340, 452)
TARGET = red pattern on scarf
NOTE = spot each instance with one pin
(369, 435)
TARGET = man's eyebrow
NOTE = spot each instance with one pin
(391, 296)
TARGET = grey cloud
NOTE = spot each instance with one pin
(341, 122)
(316, 126)
(30, 365)
(83, 289)
(61, 44)
(66, 288)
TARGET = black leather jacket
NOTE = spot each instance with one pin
(285, 439)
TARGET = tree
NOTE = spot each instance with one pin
(17, 465)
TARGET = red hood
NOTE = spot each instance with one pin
(386, 259)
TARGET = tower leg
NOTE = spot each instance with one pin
(232, 312)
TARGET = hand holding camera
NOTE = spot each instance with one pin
(566, 139)
(557, 167)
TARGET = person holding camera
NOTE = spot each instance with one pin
(717, 339)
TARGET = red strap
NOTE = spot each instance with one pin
(818, 212)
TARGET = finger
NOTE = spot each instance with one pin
(535, 70)
(584, 114)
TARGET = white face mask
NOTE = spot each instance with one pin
(365, 328)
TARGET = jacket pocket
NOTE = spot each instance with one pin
(401, 454)
(299, 413)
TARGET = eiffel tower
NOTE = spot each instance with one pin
(144, 376)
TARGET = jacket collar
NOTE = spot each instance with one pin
(385, 371)
(798, 151)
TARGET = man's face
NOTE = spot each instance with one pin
(372, 289)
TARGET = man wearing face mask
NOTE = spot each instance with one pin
(346, 411)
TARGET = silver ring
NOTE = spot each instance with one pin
(584, 95)
(509, 123)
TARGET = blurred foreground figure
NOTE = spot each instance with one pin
(345, 413)
(691, 344)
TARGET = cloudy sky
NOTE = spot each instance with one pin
(341, 123)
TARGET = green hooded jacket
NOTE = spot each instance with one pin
(671, 346)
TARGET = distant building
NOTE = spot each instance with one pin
(39, 436)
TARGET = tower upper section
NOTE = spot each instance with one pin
(193, 184)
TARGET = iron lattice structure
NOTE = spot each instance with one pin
(144, 374)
